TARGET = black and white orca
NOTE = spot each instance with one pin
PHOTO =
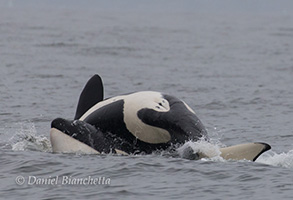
(140, 122)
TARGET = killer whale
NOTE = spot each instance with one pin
(139, 122)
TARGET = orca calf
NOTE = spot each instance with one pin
(140, 122)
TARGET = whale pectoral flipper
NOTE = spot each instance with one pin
(249, 151)
(92, 94)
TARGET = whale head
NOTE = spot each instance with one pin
(147, 116)
(177, 118)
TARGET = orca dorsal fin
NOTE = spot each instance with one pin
(92, 93)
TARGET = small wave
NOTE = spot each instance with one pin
(26, 139)
(278, 160)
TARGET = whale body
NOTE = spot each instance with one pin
(139, 122)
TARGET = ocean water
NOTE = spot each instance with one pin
(231, 61)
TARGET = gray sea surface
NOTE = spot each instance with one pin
(231, 61)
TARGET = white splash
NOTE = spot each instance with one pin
(210, 150)
(278, 160)
(27, 139)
